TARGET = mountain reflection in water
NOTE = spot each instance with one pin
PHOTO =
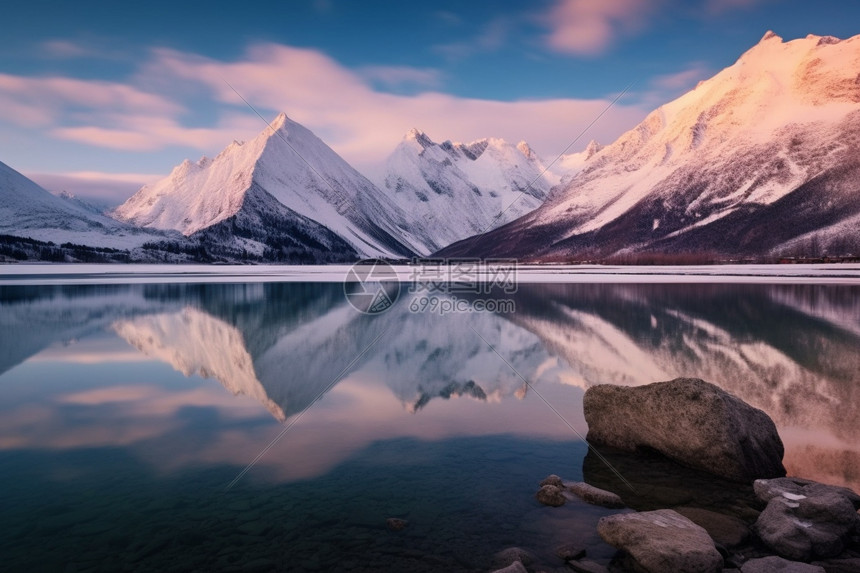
(789, 350)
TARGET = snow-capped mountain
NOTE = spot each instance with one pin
(455, 190)
(285, 191)
(28, 210)
(763, 158)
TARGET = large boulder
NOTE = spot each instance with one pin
(662, 540)
(805, 519)
(690, 421)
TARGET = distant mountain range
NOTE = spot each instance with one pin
(760, 161)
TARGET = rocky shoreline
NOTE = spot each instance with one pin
(726, 505)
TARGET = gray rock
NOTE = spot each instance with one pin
(552, 479)
(550, 495)
(595, 495)
(662, 540)
(724, 529)
(690, 421)
(515, 567)
(778, 564)
(804, 520)
(572, 550)
(766, 489)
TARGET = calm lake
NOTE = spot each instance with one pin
(271, 426)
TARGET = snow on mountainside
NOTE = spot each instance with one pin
(326, 203)
(763, 158)
(455, 190)
(28, 210)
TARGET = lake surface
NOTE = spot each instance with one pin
(271, 426)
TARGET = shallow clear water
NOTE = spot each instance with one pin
(130, 415)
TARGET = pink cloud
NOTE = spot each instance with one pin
(684, 79)
(364, 125)
(340, 105)
(41, 101)
(588, 27)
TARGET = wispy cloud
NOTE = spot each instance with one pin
(65, 49)
(363, 124)
(42, 101)
(491, 37)
(402, 76)
(345, 107)
(91, 48)
(589, 27)
(684, 79)
(449, 18)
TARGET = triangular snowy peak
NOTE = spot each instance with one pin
(286, 164)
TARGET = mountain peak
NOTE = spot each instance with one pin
(419, 137)
(280, 121)
(592, 148)
(525, 149)
(770, 34)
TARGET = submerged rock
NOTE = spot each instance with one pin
(653, 481)
(515, 567)
(690, 421)
(805, 519)
(595, 495)
(586, 566)
(778, 565)
(512, 555)
(550, 495)
(662, 540)
(569, 551)
(396, 524)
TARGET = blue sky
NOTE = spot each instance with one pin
(99, 97)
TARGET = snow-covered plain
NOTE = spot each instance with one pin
(42, 274)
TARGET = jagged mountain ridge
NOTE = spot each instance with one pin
(455, 190)
(761, 159)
